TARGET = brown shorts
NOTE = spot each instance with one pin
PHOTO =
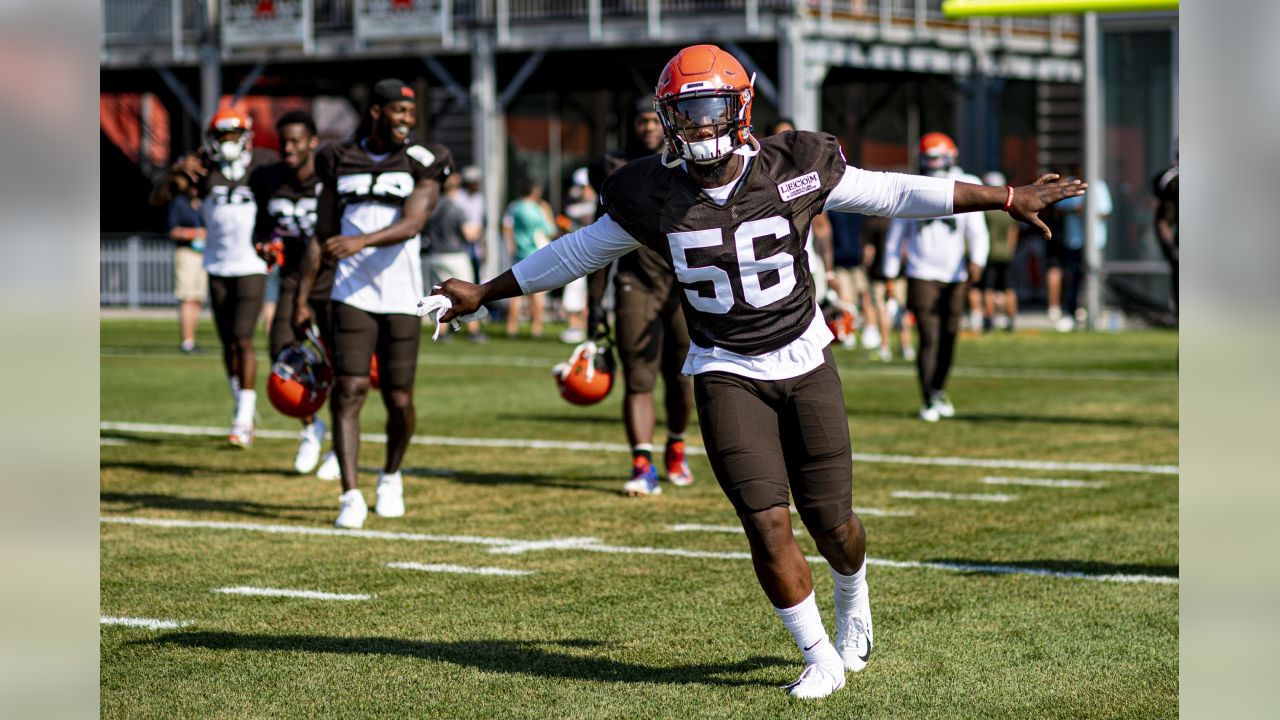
(236, 303)
(282, 333)
(358, 334)
(653, 338)
(765, 436)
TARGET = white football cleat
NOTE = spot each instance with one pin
(329, 469)
(352, 510)
(909, 353)
(854, 637)
(390, 502)
(309, 450)
(817, 681)
(944, 407)
(241, 434)
(929, 413)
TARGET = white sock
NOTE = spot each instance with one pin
(390, 477)
(850, 590)
(674, 437)
(246, 403)
(234, 382)
(805, 625)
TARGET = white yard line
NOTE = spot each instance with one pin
(284, 592)
(873, 512)
(147, 623)
(1044, 482)
(529, 444)
(114, 441)
(456, 569)
(931, 495)
(585, 545)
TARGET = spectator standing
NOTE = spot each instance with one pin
(1072, 211)
(527, 227)
(449, 235)
(997, 288)
(190, 281)
(471, 199)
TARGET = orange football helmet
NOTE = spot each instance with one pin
(938, 153)
(300, 379)
(587, 377)
(221, 146)
(704, 98)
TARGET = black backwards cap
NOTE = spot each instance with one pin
(392, 90)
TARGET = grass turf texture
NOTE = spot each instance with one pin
(597, 635)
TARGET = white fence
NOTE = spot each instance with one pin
(136, 271)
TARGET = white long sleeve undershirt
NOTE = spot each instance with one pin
(872, 193)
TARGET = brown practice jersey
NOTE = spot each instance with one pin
(230, 212)
(360, 179)
(372, 192)
(742, 265)
(287, 210)
(643, 265)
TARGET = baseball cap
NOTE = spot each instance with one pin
(392, 90)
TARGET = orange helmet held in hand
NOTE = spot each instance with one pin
(587, 377)
(704, 98)
(300, 379)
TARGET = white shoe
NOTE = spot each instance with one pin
(944, 407)
(573, 336)
(241, 434)
(329, 469)
(929, 413)
(817, 681)
(390, 502)
(871, 337)
(309, 450)
(351, 510)
(1065, 324)
(909, 353)
(853, 637)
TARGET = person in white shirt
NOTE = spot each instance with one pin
(730, 214)
(943, 255)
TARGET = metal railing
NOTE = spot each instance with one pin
(136, 271)
(178, 22)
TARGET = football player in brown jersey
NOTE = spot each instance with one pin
(378, 191)
(730, 215)
(287, 195)
(237, 275)
(652, 338)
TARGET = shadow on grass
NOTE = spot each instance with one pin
(138, 501)
(1087, 567)
(498, 656)
(166, 468)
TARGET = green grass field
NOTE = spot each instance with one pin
(618, 625)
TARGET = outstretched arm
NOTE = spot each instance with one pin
(1027, 200)
(553, 266)
(915, 196)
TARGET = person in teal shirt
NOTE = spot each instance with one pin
(527, 226)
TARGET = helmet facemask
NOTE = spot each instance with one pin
(936, 164)
(229, 147)
(705, 127)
